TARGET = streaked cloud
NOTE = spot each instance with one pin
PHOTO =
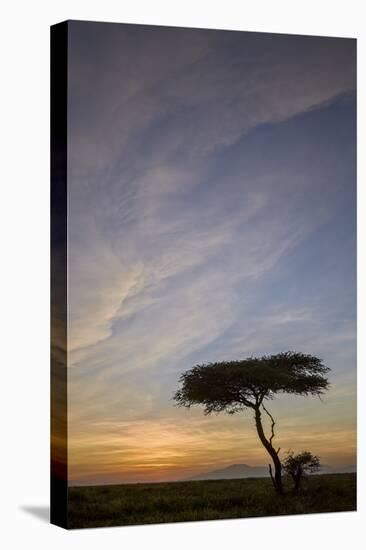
(210, 216)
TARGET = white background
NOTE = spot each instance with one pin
(24, 305)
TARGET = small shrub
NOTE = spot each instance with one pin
(299, 466)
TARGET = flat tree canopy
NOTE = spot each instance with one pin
(232, 386)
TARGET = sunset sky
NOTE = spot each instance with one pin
(211, 216)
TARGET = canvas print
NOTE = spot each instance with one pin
(203, 274)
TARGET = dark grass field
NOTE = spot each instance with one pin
(102, 506)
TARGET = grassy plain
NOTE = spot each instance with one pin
(136, 504)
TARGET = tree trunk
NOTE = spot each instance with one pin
(297, 480)
(277, 478)
(297, 484)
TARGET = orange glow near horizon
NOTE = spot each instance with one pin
(153, 450)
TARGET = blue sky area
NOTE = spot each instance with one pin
(212, 215)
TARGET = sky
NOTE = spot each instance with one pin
(211, 216)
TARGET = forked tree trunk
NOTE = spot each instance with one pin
(267, 444)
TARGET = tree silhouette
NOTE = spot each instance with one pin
(299, 466)
(234, 386)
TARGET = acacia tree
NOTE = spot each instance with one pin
(234, 386)
(299, 466)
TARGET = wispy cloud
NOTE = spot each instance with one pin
(200, 175)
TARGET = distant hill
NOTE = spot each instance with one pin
(348, 469)
(237, 471)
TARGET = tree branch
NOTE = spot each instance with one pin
(261, 397)
(273, 423)
(242, 399)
